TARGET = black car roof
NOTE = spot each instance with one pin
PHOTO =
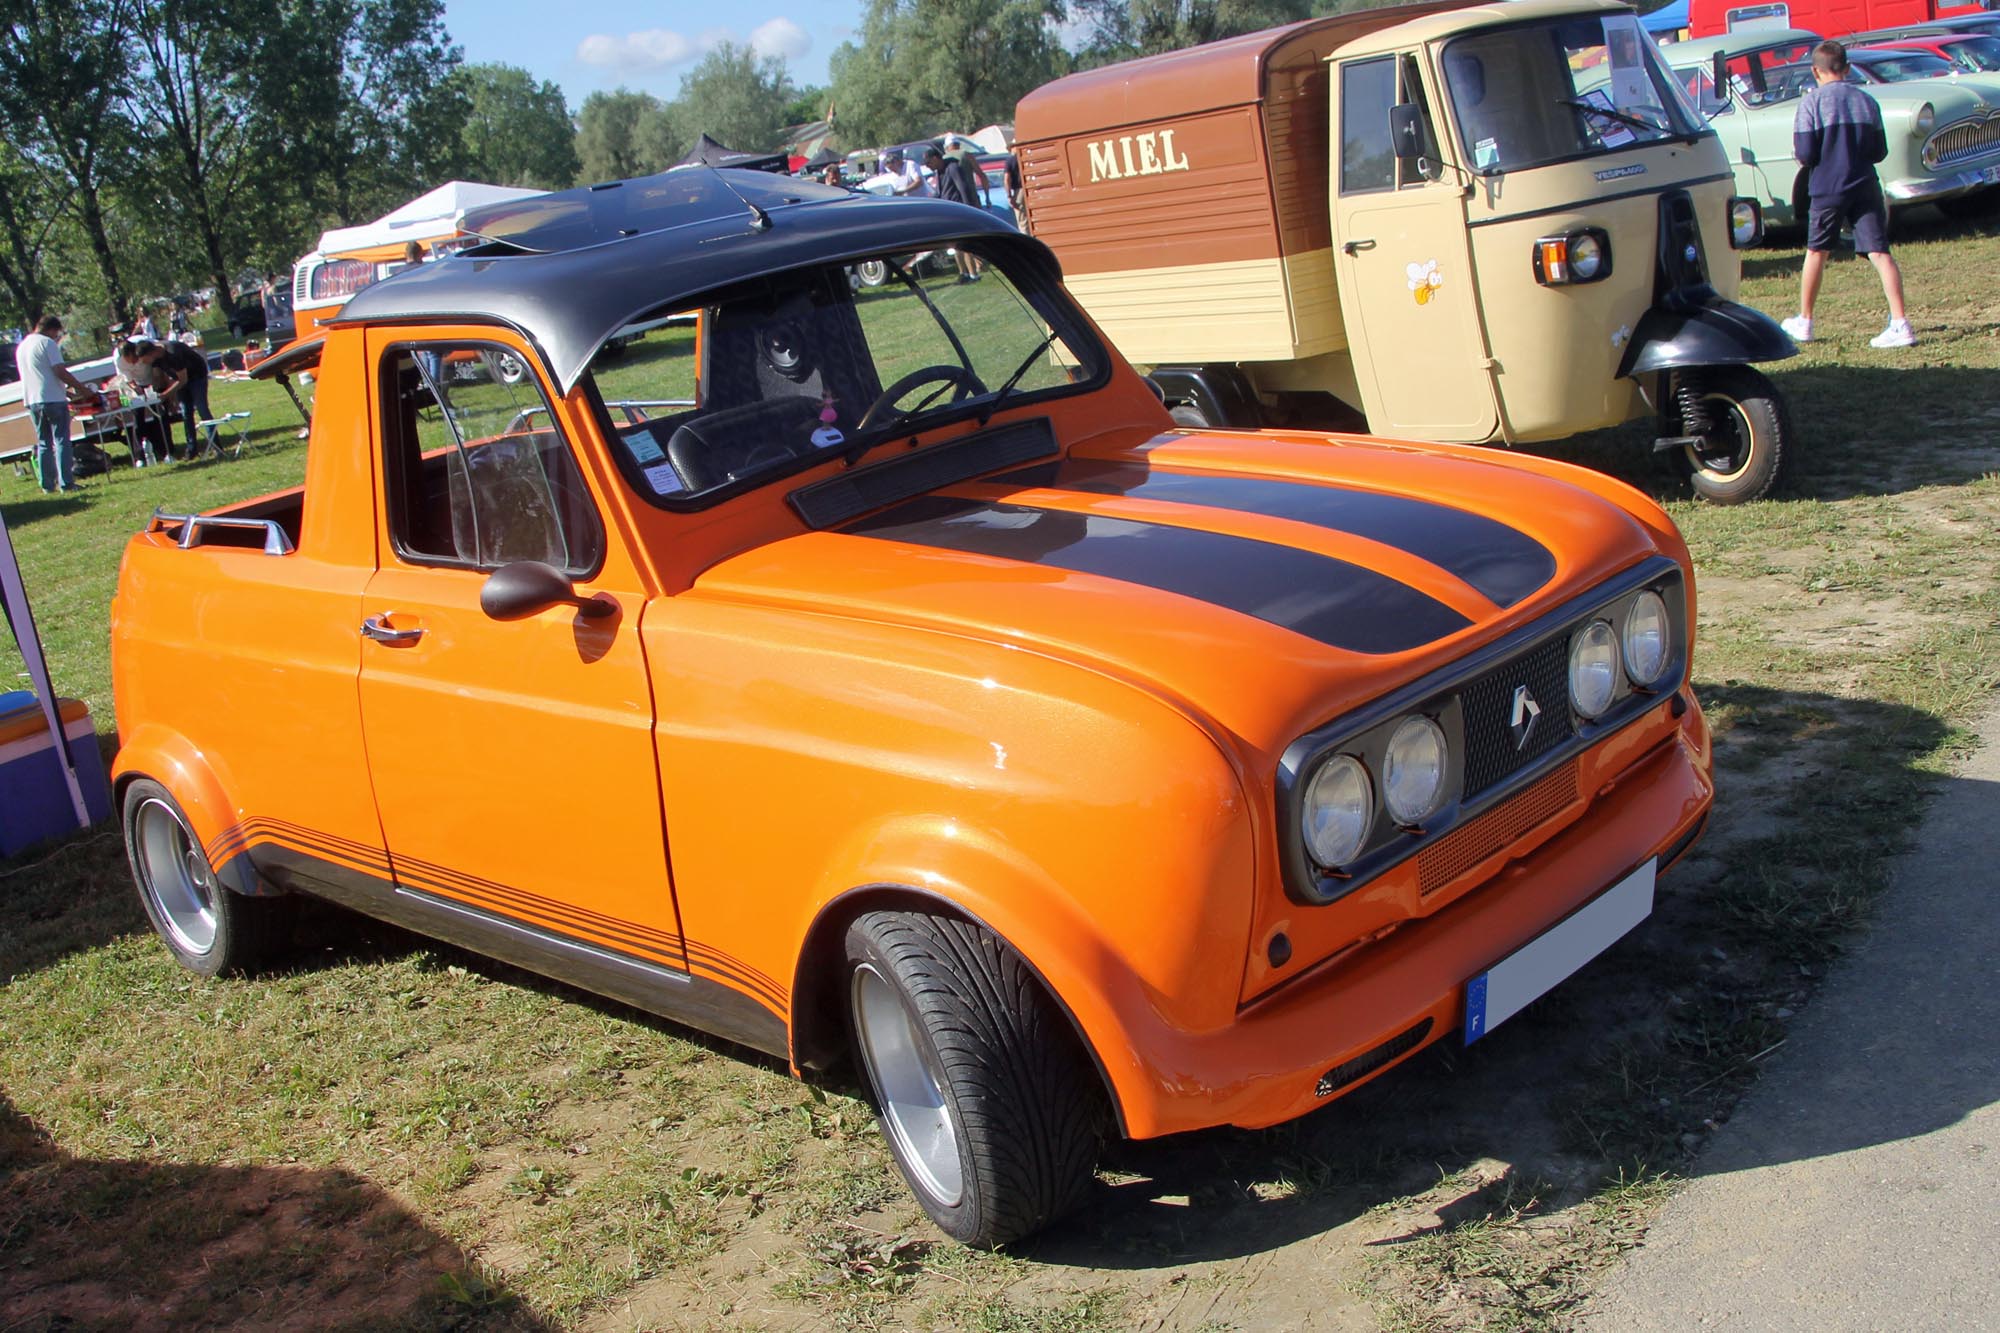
(570, 269)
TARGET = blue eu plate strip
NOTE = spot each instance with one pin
(1475, 1009)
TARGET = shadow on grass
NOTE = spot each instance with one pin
(34, 506)
(116, 1245)
(1623, 1070)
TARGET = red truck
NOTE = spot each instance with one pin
(1832, 18)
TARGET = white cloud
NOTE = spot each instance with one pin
(655, 48)
(780, 37)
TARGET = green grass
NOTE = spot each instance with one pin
(389, 1133)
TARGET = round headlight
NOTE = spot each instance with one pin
(1413, 770)
(1586, 257)
(1746, 223)
(1340, 803)
(1925, 118)
(1646, 639)
(1593, 668)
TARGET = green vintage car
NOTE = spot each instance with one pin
(1944, 132)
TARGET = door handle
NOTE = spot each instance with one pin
(1354, 247)
(378, 629)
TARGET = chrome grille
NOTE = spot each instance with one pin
(1958, 143)
(1491, 756)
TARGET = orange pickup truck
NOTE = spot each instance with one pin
(880, 674)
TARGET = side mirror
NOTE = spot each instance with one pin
(1406, 131)
(521, 589)
(1721, 89)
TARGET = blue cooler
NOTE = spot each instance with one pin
(34, 799)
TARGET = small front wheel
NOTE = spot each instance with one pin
(985, 1095)
(209, 929)
(872, 272)
(1744, 446)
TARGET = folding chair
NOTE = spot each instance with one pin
(226, 422)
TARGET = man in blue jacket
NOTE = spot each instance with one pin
(1838, 136)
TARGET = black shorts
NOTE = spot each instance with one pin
(1868, 214)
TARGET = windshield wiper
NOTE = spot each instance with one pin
(1000, 395)
(1650, 126)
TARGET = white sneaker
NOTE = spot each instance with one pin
(1898, 334)
(1798, 326)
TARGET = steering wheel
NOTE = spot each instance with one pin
(968, 385)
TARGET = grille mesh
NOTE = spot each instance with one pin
(1968, 138)
(1488, 704)
(1465, 847)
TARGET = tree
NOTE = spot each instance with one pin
(922, 66)
(62, 71)
(1121, 29)
(191, 101)
(517, 131)
(356, 98)
(735, 96)
(29, 212)
(609, 134)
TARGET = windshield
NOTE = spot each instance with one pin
(1976, 53)
(1545, 92)
(1902, 67)
(831, 359)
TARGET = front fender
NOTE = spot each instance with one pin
(1709, 332)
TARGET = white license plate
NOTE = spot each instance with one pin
(1507, 987)
(1991, 175)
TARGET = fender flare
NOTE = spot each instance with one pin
(176, 763)
(1711, 332)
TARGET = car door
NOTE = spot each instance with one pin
(1405, 270)
(512, 759)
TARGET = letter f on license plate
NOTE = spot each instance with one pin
(1503, 990)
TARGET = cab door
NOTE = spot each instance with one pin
(1406, 281)
(513, 759)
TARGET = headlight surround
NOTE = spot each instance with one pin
(1746, 223)
(1583, 255)
(1414, 769)
(1922, 123)
(1338, 810)
(1593, 669)
(1647, 640)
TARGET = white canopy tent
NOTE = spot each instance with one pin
(428, 217)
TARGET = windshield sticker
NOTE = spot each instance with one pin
(663, 479)
(1486, 154)
(1616, 173)
(645, 447)
(1424, 280)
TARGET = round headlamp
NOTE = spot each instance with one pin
(1339, 806)
(1593, 669)
(1746, 223)
(1926, 117)
(1413, 770)
(1586, 257)
(1647, 639)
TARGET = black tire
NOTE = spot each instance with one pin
(1187, 414)
(506, 367)
(1749, 447)
(1021, 1105)
(208, 928)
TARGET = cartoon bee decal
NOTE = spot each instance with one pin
(1424, 280)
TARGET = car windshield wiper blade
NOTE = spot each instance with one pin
(1591, 108)
(1000, 395)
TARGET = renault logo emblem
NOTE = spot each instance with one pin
(1526, 710)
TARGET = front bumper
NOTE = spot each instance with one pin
(1945, 185)
(1269, 1065)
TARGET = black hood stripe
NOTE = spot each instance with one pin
(1502, 563)
(1340, 604)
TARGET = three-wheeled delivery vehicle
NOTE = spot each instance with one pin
(1474, 223)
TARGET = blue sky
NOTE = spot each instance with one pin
(647, 47)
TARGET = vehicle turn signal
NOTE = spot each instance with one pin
(1579, 256)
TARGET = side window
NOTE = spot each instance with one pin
(1367, 157)
(340, 277)
(477, 472)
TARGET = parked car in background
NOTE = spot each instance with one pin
(1944, 133)
(1970, 53)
